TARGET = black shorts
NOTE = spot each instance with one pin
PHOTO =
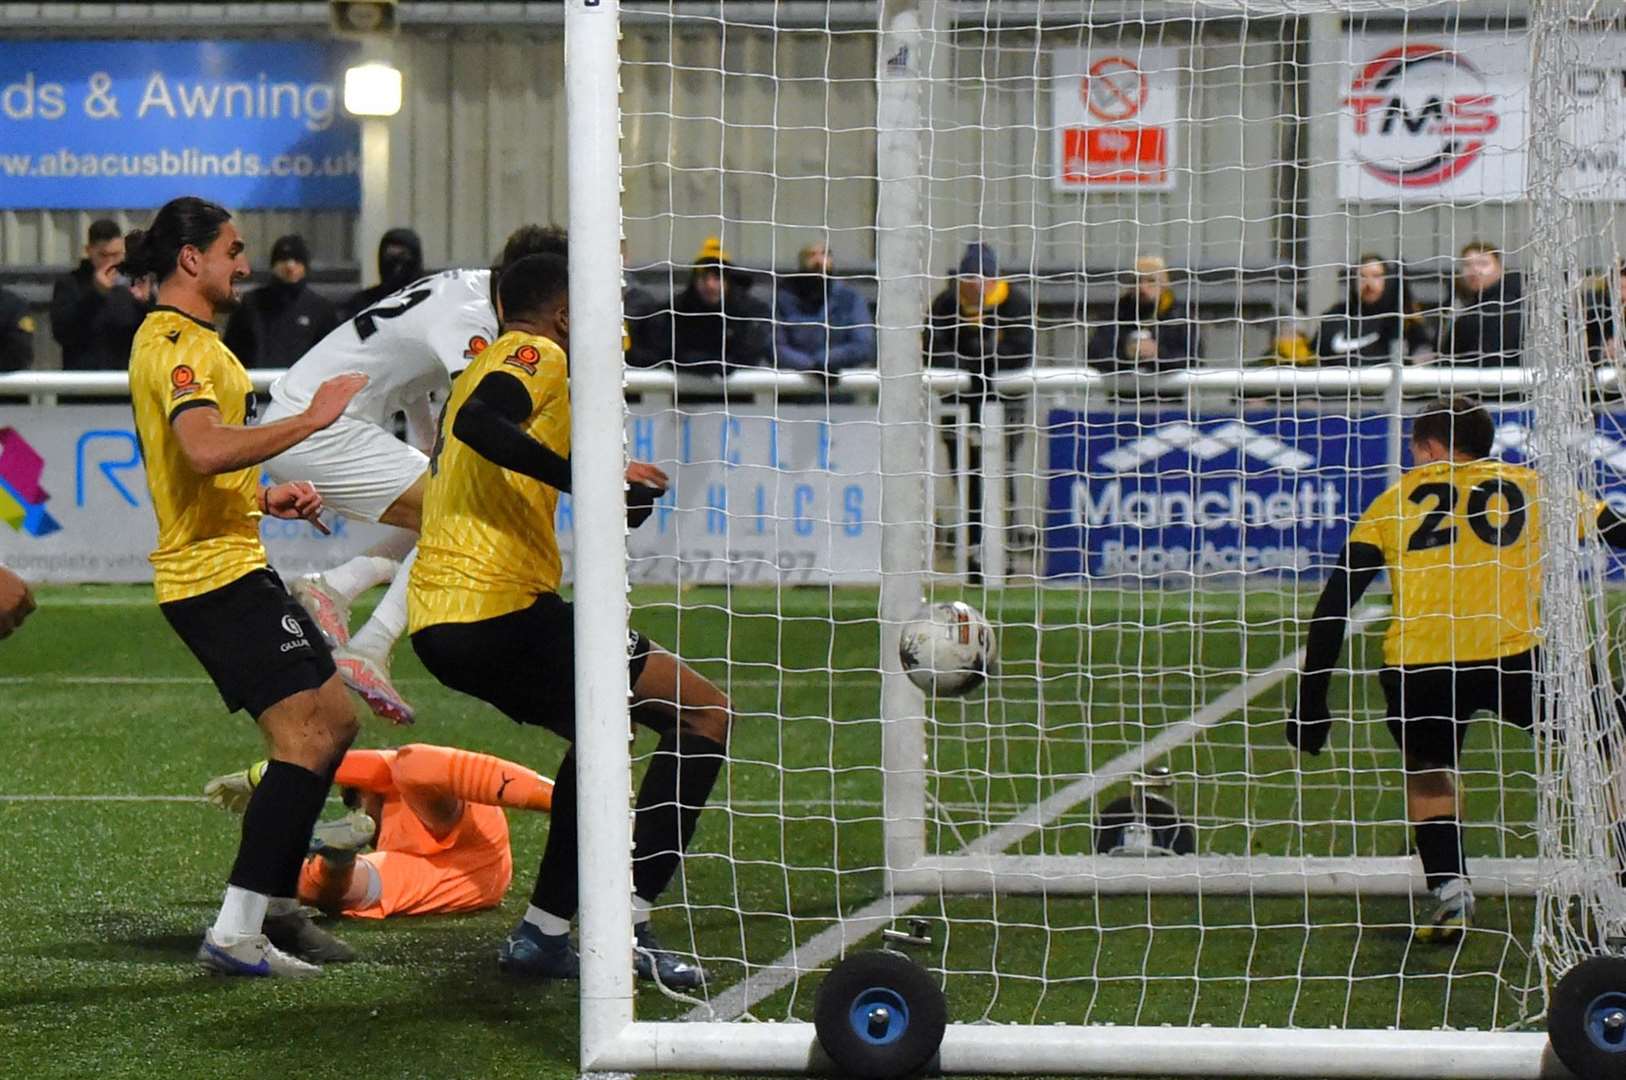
(255, 641)
(524, 662)
(1429, 707)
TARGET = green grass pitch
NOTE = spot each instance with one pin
(112, 865)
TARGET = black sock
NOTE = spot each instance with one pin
(555, 891)
(1439, 843)
(675, 789)
(277, 829)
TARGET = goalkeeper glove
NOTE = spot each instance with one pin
(233, 791)
(1310, 725)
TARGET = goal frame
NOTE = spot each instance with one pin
(612, 1039)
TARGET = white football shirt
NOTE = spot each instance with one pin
(409, 345)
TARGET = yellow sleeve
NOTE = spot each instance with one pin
(1591, 507)
(1379, 527)
(190, 367)
(544, 378)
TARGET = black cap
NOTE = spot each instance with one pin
(292, 247)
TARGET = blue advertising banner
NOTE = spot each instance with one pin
(100, 124)
(1168, 494)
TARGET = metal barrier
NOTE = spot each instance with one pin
(1300, 382)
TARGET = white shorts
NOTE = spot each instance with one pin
(359, 469)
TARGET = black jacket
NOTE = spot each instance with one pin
(707, 340)
(1601, 313)
(392, 276)
(276, 324)
(649, 329)
(1368, 336)
(1489, 328)
(16, 333)
(1170, 320)
(94, 328)
(1001, 340)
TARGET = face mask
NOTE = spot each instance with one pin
(397, 268)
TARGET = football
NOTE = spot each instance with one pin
(949, 650)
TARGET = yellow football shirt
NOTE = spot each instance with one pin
(208, 526)
(1462, 544)
(488, 546)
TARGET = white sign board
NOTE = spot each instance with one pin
(792, 494)
(77, 473)
(1114, 117)
(1426, 118)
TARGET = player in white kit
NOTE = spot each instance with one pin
(410, 344)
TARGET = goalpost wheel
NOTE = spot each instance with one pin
(880, 1016)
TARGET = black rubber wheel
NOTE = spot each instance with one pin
(1168, 831)
(1586, 1018)
(880, 1016)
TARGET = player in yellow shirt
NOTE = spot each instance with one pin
(487, 619)
(192, 401)
(1460, 538)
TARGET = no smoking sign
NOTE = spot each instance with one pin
(1114, 89)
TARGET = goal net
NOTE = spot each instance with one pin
(1108, 320)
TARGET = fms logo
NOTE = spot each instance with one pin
(22, 500)
(1421, 114)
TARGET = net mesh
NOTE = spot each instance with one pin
(1145, 527)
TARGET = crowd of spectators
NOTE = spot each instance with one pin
(812, 319)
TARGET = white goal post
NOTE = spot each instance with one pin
(954, 818)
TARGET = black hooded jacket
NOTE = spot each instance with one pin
(1489, 328)
(94, 328)
(1358, 334)
(392, 275)
(277, 323)
(1170, 321)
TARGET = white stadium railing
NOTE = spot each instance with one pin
(1299, 382)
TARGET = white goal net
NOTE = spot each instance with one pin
(1109, 320)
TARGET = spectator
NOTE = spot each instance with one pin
(716, 325)
(16, 333)
(1488, 327)
(278, 322)
(981, 324)
(400, 263)
(822, 325)
(647, 339)
(1369, 324)
(1151, 331)
(1603, 307)
(94, 314)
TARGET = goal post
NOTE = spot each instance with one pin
(1148, 537)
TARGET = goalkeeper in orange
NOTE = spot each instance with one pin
(434, 816)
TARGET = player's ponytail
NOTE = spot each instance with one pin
(184, 222)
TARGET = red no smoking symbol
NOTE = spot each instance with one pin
(1114, 88)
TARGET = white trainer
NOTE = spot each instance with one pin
(370, 677)
(253, 956)
(1453, 912)
(348, 834)
(329, 610)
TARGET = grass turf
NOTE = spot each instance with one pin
(102, 899)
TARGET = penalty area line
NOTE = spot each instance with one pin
(874, 917)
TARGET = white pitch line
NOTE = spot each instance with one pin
(875, 916)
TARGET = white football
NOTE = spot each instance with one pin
(949, 650)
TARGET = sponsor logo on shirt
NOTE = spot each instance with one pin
(525, 358)
(184, 382)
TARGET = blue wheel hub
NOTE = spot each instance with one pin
(879, 1016)
(1606, 1022)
